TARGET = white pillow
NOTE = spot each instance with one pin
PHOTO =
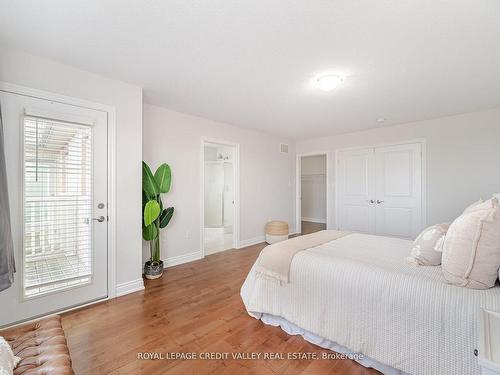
(8, 361)
(426, 249)
(471, 206)
(471, 249)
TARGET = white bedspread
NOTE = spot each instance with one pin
(358, 292)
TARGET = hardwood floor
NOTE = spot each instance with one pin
(195, 307)
(310, 227)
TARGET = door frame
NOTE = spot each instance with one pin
(298, 188)
(423, 144)
(111, 181)
(236, 184)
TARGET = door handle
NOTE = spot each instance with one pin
(100, 219)
(378, 201)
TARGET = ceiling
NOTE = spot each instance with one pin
(251, 63)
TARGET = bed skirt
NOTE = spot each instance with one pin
(292, 329)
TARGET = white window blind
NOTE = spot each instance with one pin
(57, 205)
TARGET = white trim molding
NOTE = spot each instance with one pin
(129, 287)
(259, 240)
(181, 259)
(252, 241)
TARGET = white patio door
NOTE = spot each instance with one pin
(380, 190)
(57, 178)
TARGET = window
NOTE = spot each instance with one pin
(57, 205)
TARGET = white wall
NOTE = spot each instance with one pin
(463, 158)
(313, 188)
(43, 74)
(266, 177)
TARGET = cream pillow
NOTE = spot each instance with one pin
(471, 248)
(8, 361)
(473, 205)
(426, 249)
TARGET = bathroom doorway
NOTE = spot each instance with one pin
(219, 196)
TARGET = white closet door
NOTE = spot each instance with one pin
(356, 188)
(398, 190)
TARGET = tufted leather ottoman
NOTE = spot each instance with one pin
(41, 346)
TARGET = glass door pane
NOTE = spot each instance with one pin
(57, 206)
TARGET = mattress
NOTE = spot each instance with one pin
(358, 292)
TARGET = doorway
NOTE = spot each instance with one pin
(59, 199)
(220, 163)
(312, 192)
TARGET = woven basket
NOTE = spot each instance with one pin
(276, 231)
(277, 228)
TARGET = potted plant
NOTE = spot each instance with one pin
(154, 216)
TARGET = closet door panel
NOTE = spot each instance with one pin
(356, 190)
(398, 185)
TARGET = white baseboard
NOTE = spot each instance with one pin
(257, 240)
(252, 241)
(314, 220)
(129, 287)
(136, 285)
(181, 259)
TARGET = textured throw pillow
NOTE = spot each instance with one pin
(8, 361)
(426, 249)
(471, 249)
(471, 207)
(440, 242)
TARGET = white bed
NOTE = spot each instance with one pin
(357, 294)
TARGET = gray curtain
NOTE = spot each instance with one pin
(7, 266)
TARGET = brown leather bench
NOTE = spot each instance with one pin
(41, 346)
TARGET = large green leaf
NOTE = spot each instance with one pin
(149, 232)
(163, 177)
(149, 184)
(145, 199)
(165, 216)
(151, 212)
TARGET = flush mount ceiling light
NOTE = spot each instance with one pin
(328, 82)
